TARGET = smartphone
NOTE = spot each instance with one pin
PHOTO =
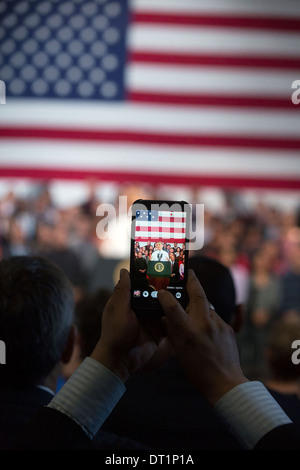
(159, 254)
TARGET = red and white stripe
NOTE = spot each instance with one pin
(209, 102)
(169, 227)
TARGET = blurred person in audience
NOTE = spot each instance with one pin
(43, 207)
(82, 241)
(264, 293)
(15, 243)
(26, 218)
(272, 250)
(253, 239)
(240, 274)
(89, 207)
(289, 221)
(282, 374)
(272, 224)
(8, 205)
(261, 307)
(290, 280)
(43, 241)
(213, 247)
(60, 253)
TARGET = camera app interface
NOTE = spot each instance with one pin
(159, 252)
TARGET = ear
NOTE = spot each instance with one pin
(70, 344)
(237, 318)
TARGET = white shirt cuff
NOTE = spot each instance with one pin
(89, 396)
(249, 411)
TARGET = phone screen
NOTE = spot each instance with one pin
(158, 252)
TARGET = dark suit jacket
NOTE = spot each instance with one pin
(286, 437)
(290, 403)
(52, 430)
(26, 424)
(17, 408)
(162, 410)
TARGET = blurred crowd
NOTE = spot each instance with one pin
(260, 245)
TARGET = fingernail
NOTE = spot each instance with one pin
(161, 291)
(122, 273)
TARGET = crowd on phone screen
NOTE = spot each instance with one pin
(260, 245)
(145, 250)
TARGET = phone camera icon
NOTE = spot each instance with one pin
(154, 294)
(178, 295)
(145, 293)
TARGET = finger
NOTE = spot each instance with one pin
(154, 327)
(197, 299)
(194, 288)
(172, 309)
(124, 282)
(121, 294)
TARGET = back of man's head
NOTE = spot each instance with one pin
(36, 314)
(217, 283)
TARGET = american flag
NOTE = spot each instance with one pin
(165, 226)
(158, 91)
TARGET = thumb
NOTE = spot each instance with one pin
(120, 298)
(175, 315)
(123, 284)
